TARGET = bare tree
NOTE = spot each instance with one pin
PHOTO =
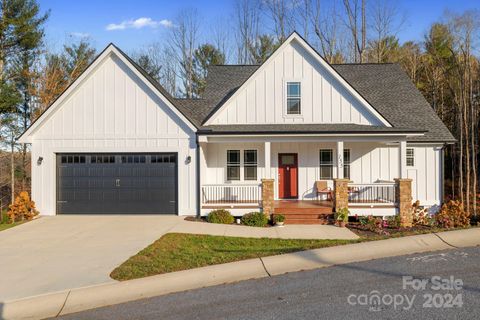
(184, 38)
(463, 28)
(324, 21)
(247, 20)
(386, 21)
(168, 73)
(302, 12)
(281, 13)
(220, 30)
(356, 14)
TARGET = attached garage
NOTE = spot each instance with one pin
(117, 183)
(115, 142)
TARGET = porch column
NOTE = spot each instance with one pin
(402, 154)
(403, 197)
(267, 197)
(340, 159)
(340, 193)
(267, 150)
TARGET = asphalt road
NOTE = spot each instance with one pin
(341, 292)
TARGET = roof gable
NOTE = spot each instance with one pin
(110, 51)
(261, 98)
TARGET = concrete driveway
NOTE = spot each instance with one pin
(70, 251)
(62, 252)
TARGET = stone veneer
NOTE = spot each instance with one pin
(267, 196)
(340, 197)
(403, 197)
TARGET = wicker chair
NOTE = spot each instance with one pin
(322, 188)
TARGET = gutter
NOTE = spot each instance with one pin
(309, 133)
(197, 174)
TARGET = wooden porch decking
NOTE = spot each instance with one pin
(304, 211)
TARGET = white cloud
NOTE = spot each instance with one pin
(139, 23)
(79, 35)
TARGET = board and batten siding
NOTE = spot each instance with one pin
(370, 163)
(323, 99)
(112, 110)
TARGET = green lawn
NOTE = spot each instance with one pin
(175, 252)
(5, 226)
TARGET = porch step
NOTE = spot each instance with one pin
(307, 221)
(306, 218)
(304, 215)
(319, 210)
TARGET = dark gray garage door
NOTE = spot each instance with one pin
(117, 183)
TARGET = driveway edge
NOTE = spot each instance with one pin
(80, 299)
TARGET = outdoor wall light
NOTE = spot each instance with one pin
(188, 160)
(40, 160)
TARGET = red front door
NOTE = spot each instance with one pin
(287, 176)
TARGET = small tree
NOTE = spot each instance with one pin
(22, 208)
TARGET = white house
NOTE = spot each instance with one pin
(116, 142)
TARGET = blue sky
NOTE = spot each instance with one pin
(106, 21)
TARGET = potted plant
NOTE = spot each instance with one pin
(279, 220)
(341, 216)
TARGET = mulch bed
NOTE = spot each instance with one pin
(364, 231)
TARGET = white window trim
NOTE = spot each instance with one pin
(332, 164)
(239, 165)
(412, 157)
(285, 96)
(242, 166)
(349, 162)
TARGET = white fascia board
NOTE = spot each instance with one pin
(26, 137)
(381, 137)
(328, 67)
(149, 85)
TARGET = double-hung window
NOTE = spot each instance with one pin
(233, 165)
(294, 98)
(346, 163)
(410, 157)
(250, 164)
(326, 164)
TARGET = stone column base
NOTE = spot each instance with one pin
(340, 198)
(268, 197)
(403, 197)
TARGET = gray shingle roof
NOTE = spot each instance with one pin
(391, 92)
(222, 82)
(385, 86)
(303, 128)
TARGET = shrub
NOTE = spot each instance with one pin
(278, 218)
(452, 215)
(220, 216)
(255, 219)
(374, 224)
(421, 215)
(393, 221)
(22, 208)
(342, 215)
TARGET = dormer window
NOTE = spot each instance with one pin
(293, 98)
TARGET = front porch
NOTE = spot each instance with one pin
(363, 199)
(233, 171)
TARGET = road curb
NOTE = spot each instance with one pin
(325, 257)
(461, 238)
(80, 299)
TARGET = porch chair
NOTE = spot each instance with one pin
(322, 188)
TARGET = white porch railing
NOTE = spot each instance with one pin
(372, 193)
(231, 194)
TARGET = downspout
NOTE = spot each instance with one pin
(197, 165)
(442, 173)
